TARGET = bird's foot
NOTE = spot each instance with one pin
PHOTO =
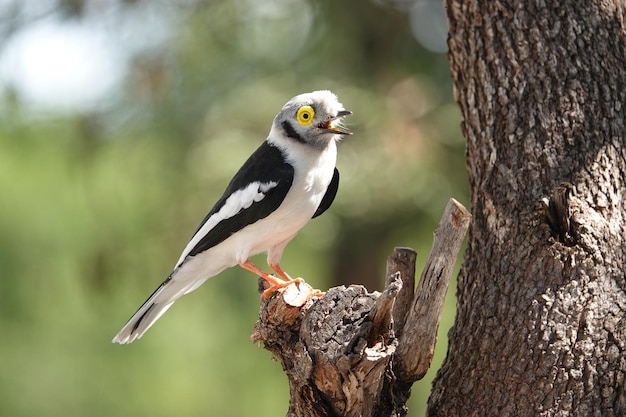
(293, 295)
(277, 285)
(280, 271)
(318, 293)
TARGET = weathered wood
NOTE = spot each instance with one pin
(339, 350)
(417, 343)
(402, 264)
(335, 349)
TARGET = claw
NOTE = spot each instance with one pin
(277, 286)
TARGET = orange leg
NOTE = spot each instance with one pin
(255, 269)
(276, 283)
(276, 268)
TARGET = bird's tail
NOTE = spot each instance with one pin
(154, 307)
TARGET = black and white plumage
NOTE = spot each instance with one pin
(290, 179)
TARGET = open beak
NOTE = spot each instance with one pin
(329, 125)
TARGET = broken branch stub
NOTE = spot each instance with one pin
(417, 344)
(336, 352)
(355, 353)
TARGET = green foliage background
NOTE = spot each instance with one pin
(96, 205)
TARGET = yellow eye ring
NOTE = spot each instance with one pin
(305, 115)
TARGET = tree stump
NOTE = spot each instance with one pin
(354, 353)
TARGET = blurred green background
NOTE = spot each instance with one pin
(121, 121)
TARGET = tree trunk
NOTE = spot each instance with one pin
(541, 320)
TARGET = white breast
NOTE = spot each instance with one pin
(313, 171)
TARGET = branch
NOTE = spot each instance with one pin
(417, 343)
(337, 349)
(402, 265)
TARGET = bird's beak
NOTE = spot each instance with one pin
(329, 125)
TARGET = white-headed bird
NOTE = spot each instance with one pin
(290, 179)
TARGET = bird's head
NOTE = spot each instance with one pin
(312, 118)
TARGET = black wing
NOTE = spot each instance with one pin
(265, 165)
(329, 197)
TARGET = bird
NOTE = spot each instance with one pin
(290, 179)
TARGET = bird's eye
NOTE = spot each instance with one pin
(305, 115)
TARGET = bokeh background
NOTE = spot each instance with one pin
(121, 121)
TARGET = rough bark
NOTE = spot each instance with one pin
(541, 318)
(354, 353)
